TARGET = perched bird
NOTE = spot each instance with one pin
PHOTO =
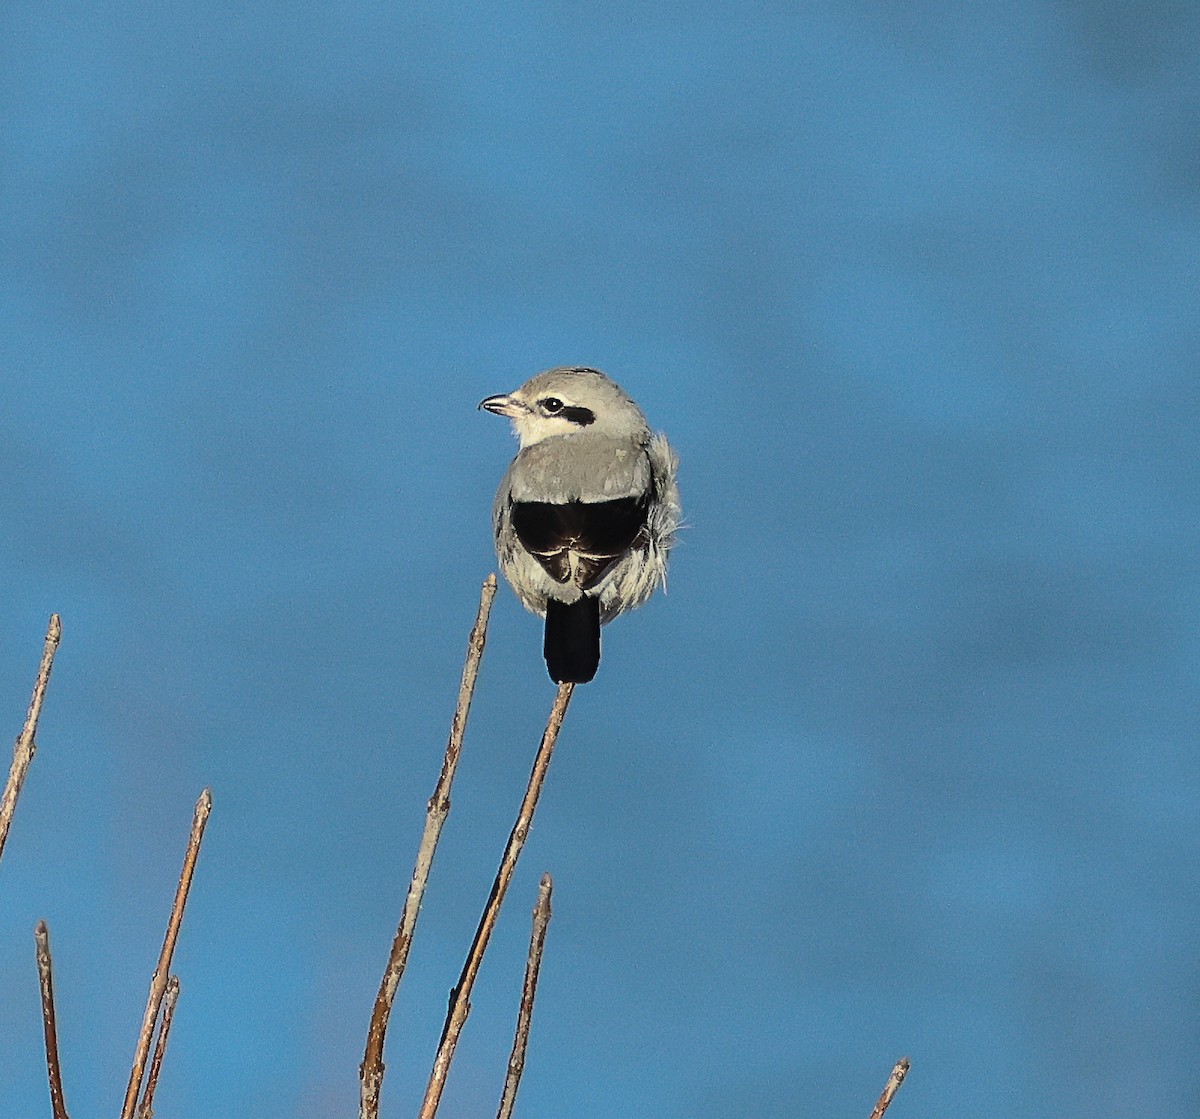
(586, 513)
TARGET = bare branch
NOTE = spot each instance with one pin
(146, 1109)
(25, 746)
(460, 1005)
(537, 941)
(371, 1070)
(41, 935)
(891, 1087)
(158, 982)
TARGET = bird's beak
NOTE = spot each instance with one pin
(504, 406)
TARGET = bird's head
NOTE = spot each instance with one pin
(565, 401)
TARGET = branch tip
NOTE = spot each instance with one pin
(537, 942)
(372, 1068)
(26, 744)
(45, 968)
(899, 1072)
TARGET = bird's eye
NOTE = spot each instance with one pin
(552, 405)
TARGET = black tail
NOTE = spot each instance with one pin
(572, 645)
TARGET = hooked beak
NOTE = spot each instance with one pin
(504, 406)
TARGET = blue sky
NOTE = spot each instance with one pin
(905, 761)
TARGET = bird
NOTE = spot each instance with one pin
(586, 513)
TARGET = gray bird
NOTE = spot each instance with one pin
(587, 511)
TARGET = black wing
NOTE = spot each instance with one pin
(596, 533)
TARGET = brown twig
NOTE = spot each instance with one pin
(41, 935)
(899, 1072)
(25, 746)
(146, 1108)
(537, 941)
(460, 1005)
(158, 982)
(371, 1070)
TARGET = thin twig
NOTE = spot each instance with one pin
(41, 935)
(460, 1005)
(537, 941)
(146, 1108)
(891, 1087)
(25, 746)
(158, 982)
(371, 1070)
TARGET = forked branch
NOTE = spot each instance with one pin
(146, 1108)
(158, 983)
